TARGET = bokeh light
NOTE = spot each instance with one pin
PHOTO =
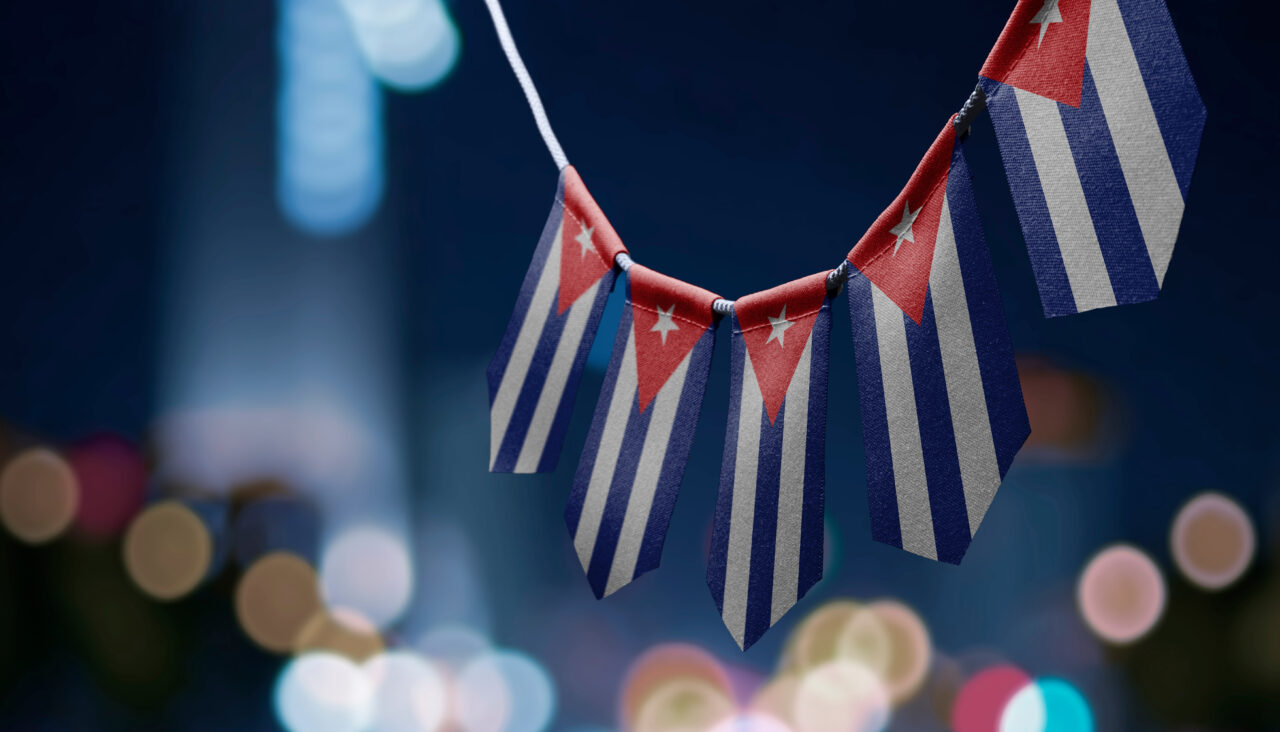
(168, 550)
(38, 495)
(1066, 410)
(744, 681)
(665, 663)
(1121, 594)
(982, 700)
(409, 44)
(112, 478)
(909, 649)
(752, 722)
(324, 692)
(1047, 705)
(1067, 710)
(942, 687)
(330, 136)
(683, 704)
(777, 698)
(275, 599)
(482, 698)
(342, 631)
(367, 569)
(410, 694)
(531, 691)
(841, 696)
(865, 640)
(1025, 712)
(453, 645)
(816, 640)
(1213, 541)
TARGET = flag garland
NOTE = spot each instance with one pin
(942, 411)
(766, 541)
(533, 378)
(1098, 122)
(635, 454)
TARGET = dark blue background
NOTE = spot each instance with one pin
(735, 145)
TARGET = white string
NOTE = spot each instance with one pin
(526, 83)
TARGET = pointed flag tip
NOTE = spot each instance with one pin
(599, 591)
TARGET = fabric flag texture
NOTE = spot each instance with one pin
(1099, 124)
(766, 544)
(534, 377)
(942, 409)
(897, 251)
(635, 454)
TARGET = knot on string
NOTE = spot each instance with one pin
(973, 107)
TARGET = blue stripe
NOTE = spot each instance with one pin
(764, 532)
(1133, 279)
(673, 464)
(498, 366)
(882, 496)
(527, 402)
(1000, 384)
(1170, 86)
(587, 463)
(938, 438)
(615, 507)
(555, 439)
(717, 559)
(1028, 197)
(815, 467)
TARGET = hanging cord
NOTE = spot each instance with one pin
(973, 107)
(526, 83)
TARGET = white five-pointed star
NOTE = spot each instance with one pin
(665, 323)
(903, 229)
(779, 325)
(584, 238)
(1048, 14)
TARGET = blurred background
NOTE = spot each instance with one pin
(256, 256)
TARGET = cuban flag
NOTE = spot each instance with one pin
(899, 263)
(1099, 125)
(766, 543)
(635, 455)
(534, 377)
(942, 410)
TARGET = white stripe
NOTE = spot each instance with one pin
(544, 295)
(652, 456)
(914, 514)
(979, 470)
(544, 414)
(737, 569)
(795, 433)
(1072, 223)
(615, 428)
(1148, 171)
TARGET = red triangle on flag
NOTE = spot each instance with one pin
(775, 326)
(588, 243)
(669, 317)
(896, 253)
(1042, 49)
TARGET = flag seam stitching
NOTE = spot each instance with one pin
(682, 319)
